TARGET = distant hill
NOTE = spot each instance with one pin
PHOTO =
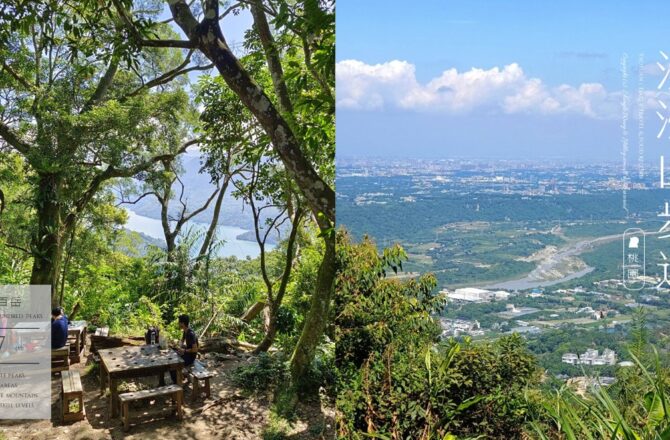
(134, 243)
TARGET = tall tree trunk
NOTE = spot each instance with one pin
(210, 40)
(175, 279)
(274, 301)
(66, 264)
(317, 317)
(270, 329)
(211, 230)
(46, 242)
(170, 241)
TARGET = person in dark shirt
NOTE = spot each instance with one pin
(188, 346)
(58, 328)
(62, 312)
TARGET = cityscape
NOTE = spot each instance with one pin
(525, 247)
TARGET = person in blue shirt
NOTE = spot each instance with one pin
(62, 312)
(58, 328)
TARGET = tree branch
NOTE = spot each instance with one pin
(181, 44)
(181, 12)
(172, 74)
(290, 254)
(181, 220)
(12, 139)
(323, 84)
(128, 202)
(112, 172)
(103, 85)
(203, 207)
(17, 77)
(229, 10)
(139, 38)
(272, 58)
(18, 248)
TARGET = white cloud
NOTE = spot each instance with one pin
(371, 87)
(394, 85)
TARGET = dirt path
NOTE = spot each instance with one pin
(234, 416)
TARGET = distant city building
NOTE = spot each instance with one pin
(511, 311)
(501, 294)
(590, 357)
(475, 295)
(531, 329)
(570, 358)
(458, 327)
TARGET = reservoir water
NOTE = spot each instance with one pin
(232, 246)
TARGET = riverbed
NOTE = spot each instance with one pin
(537, 278)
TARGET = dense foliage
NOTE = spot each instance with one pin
(396, 380)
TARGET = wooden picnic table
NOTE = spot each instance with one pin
(133, 362)
(76, 335)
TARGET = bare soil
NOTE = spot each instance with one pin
(230, 413)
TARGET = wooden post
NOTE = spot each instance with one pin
(180, 403)
(207, 389)
(114, 396)
(195, 387)
(101, 367)
(125, 413)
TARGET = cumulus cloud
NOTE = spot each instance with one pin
(508, 89)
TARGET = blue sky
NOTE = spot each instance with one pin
(523, 78)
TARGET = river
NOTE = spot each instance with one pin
(536, 279)
(232, 246)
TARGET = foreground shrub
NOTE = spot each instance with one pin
(396, 380)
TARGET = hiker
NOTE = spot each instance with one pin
(188, 346)
(58, 328)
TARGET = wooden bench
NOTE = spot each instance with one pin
(175, 391)
(60, 358)
(197, 373)
(71, 390)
